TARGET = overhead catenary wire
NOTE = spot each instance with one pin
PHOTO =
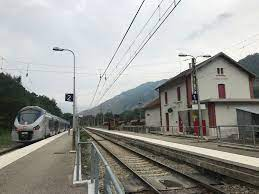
(118, 47)
(140, 32)
(145, 41)
(138, 35)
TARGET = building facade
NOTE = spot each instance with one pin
(224, 87)
(152, 113)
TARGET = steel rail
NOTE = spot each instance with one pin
(203, 183)
(129, 168)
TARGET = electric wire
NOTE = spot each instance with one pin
(124, 36)
(149, 36)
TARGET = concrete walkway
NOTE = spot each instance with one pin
(46, 170)
(194, 142)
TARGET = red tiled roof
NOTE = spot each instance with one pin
(153, 104)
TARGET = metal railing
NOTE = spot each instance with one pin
(111, 184)
(169, 130)
(246, 135)
(136, 129)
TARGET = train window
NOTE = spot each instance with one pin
(50, 124)
(28, 116)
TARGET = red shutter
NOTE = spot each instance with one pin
(222, 91)
(212, 114)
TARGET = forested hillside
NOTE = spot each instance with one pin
(13, 96)
(128, 100)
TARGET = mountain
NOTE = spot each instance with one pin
(251, 62)
(128, 100)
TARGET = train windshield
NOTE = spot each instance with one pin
(28, 116)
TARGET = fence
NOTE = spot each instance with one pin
(111, 184)
(168, 130)
(246, 135)
(136, 129)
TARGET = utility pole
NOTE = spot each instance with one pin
(196, 87)
(196, 93)
(2, 59)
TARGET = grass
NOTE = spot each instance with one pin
(5, 138)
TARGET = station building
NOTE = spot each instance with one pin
(152, 113)
(226, 94)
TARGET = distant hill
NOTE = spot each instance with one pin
(128, 100)
(251, 62)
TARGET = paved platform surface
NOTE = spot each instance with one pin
(194, 142)
(46, 170)
(202, 149)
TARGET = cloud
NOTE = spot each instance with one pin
(219, 20)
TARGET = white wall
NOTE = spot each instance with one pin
(152, 117)
(173, 103)
(236, 81)
(226, 113)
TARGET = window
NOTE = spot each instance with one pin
(166, 100)
(179, 93)
(220, 71)
(221, 90)
(28, 116)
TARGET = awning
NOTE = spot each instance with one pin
(254, 110)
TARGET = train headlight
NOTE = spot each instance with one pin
(36, 128)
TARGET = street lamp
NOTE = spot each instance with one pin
(196, 86)
(74, 93)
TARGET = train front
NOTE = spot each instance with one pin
(28, 125)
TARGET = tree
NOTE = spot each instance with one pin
(13, 97)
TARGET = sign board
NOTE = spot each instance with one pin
(69, 97)
(170, 110)
(194, 97)
(195, 107)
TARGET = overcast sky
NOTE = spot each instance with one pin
(92, 29)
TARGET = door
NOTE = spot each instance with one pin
(180, 123)
(167, 121)
(222, 91)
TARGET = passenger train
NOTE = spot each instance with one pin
(33, 123)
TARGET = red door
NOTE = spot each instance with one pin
(180, 123)
(167, 121)
(222, 91)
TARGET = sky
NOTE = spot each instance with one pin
(93, 29)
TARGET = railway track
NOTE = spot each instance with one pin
(201, 180)
(12, 149)
(157, 177)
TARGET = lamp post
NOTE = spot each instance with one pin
(196, 89)
(74, 93)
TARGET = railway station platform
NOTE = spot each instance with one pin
(43, 167)
(232, 162)
(188, 142)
